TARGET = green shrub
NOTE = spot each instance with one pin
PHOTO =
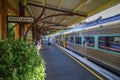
(19, 61)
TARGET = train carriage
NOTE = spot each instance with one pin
(98, 41)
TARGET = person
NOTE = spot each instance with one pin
(37, 43)
(85, 41)
(49, 41)
(42, 41)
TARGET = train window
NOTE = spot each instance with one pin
(66, 38)
(110, 43)
(71, 40)
(117, 40)
(78, 40)
(89, 41)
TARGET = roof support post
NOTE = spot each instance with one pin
(4, 18)
(34, 32)
(37, 20)
(22, 13)
(32, 25)
(55, 9)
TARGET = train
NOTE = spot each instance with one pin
(98, 41)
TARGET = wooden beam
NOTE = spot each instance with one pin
(79, 5)
(43, 19)
(53, 23)
(21, 13)
(47, 28)
(28, 10)
(1, 10)
(42, 12)
(44, 31)
(17, 36)
(74, 10)
(13, 9)
(59, 6)
(55, 15)
(43, 2)
(55, 9)
(38, 5)
(4, 6)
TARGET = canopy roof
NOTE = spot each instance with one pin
(54, 15)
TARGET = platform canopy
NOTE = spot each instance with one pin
(54, 15)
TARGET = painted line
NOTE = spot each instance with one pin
(99, 77)
(92, 66)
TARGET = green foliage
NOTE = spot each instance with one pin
(19, 61)
(11, 30)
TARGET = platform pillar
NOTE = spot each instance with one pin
(22, 13)
(17, 35)
(4, 8)
(34, 32)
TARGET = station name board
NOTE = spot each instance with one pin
(16, 19)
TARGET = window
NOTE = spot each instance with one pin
(78, 40)
(66, 38)
(71, 39)
(110, 43)
(89, 41)
(117, 40)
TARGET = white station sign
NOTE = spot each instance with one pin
(20, 19)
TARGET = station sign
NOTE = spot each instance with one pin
(17, 19)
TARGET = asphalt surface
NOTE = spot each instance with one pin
(59, 66)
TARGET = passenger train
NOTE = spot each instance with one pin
(98, 41)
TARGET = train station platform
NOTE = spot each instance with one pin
(63, 66)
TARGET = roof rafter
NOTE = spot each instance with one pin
(59, 6)
(55, 9)
(12, 9)
(54, 15)
(53, 23)
(37, 20)
(43, 2)
(44, 29)
(74, 10)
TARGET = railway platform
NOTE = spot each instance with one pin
(63, 66)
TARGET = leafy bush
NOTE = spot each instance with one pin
(11, 30)
(19, 61)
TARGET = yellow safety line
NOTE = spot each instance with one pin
(83, 65)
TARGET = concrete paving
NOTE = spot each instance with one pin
(62, 67)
